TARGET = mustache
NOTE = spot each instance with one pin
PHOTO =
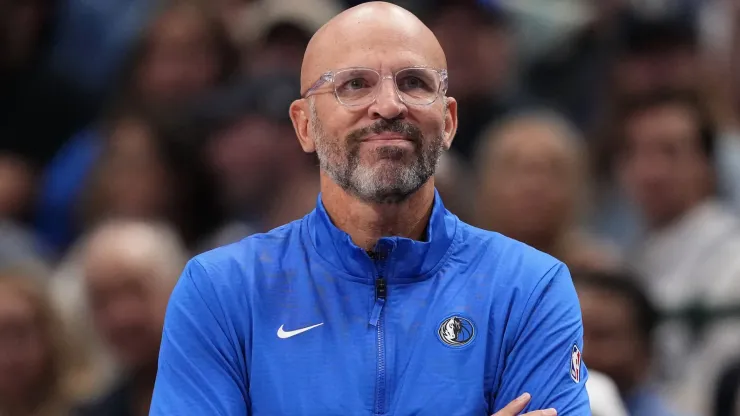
(397, 126)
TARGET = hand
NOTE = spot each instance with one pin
(513, 408)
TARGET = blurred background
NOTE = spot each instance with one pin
(135, 134)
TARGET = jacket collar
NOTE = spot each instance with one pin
(400, 258)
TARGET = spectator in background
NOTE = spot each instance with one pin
(651, 54)
(281, 31)
(35, 377)
(689, 254)
(618, 337)
(264, 179)
(129, 271)
(478, 44)
(149, 168)
(183, 53)
(531, 187)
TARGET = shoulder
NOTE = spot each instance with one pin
(250, 252)
(519, 277)
(234, 269)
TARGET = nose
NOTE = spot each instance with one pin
(387, 104)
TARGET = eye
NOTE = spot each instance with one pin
(412, 83)
(355, 84)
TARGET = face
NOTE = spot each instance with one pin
(246, 157)
(126, 309)
(663, 168)
(529, 184)
(386, 150)
(23, 352)
(611, 341)
(384, 172)
(181, 60)
(134, 178)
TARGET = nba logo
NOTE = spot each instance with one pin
(575, 364)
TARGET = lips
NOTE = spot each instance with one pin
(387, 137)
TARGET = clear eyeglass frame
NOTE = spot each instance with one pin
(330, 77)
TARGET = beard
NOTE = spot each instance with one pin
(395, 173)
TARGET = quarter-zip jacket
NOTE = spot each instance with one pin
(301, 321)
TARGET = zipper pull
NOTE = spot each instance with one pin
(380, 289)
(380, 293)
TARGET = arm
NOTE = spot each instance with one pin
(541, 357)
(199, 367)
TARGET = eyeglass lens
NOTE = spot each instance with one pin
(415, 86)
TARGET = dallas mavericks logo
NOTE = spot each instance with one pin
(456, 331)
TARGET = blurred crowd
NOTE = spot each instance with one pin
(135, 134)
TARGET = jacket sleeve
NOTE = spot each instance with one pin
(545, 358)
(199, 371)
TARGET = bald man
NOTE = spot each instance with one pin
(379, 301)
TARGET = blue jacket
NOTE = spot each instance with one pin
(300, 321)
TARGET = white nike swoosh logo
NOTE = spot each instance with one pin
(287, 334)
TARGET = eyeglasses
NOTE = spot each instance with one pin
(359, 86)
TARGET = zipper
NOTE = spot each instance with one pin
(376, 320)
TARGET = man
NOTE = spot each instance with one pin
(379, 301)
(250, 144)
(688, 255)
(530, 186)
(129, 270)
(619, 323)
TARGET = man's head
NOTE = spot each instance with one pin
(250, 141)
(378, 131)
(130, 269)
(618, 324)
(665, 156)
(529, 171)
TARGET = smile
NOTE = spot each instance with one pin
(387, 138)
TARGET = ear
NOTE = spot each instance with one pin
(450, 121)
(299, 115)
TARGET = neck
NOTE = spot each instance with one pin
(366, 222)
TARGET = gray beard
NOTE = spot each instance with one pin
(391, 180)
